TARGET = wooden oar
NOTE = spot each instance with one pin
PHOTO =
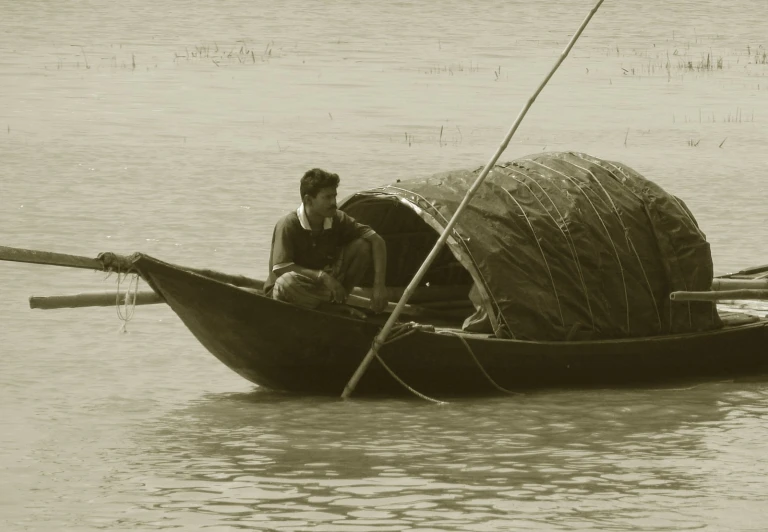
(148, 297)
(358, 298)
(75, 261)
(47, 257)
(93, 299)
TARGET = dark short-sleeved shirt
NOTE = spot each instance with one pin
(294, 242)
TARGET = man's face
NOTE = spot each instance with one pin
(324, 203)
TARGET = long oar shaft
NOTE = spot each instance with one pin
(47, 257)
(149, 297)
(382, 336)
(111, 261)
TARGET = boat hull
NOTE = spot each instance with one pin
(287, 348)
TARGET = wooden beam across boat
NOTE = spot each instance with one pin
(720, 295)
(724, 289)
(739, 284)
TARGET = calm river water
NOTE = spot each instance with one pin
(181, 128)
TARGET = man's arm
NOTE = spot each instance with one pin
(379, 251)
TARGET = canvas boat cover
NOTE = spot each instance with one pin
(560, 245)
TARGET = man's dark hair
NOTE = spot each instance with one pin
(316, 179)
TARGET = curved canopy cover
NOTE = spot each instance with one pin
(565, 245)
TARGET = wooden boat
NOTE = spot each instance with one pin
(284, 347)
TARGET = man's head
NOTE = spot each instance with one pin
(318, 191)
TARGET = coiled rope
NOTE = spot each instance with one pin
(127, 309)
(122, 266)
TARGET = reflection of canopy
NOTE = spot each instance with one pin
(553, 242)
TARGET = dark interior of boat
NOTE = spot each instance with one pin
(443, 293)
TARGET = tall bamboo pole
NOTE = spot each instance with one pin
(382, 336)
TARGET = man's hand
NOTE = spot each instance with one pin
(379, 299)
(338, 294)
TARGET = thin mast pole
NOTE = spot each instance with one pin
(382, 336)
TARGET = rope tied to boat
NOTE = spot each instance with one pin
(399, 332)
(122, 266)
(127, 308)
(402, 330)
(112, 262)
(479, 365)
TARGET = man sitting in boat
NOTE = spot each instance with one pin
(320, 253)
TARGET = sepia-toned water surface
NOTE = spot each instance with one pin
(180, 129)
